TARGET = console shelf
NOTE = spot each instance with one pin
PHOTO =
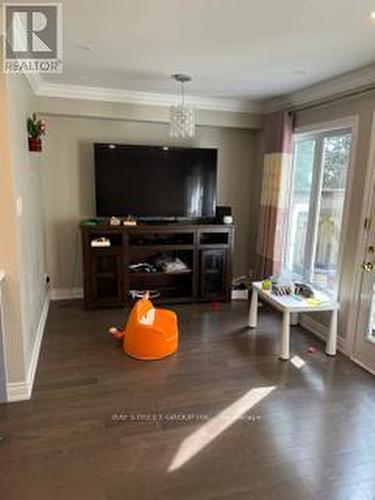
(161, 248)
(205, 249)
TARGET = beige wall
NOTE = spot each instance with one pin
(362, 107)
(68, 180)
(21, 237)
(30, 231)
(11, 296)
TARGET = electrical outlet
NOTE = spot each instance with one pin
(19, 207)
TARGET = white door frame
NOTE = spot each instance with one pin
(366, 214)
(352, 123)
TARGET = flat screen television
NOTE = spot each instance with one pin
(155, 182)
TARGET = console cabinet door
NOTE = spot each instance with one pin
(213, 273)
(107, 278)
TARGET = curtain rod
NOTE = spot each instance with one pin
(332, 100)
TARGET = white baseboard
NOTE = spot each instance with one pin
(37, 344)
(17, 391)
(364, 366)
(321, 331)
(20, 391)
(66, 293)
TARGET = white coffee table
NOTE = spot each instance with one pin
(291, 306)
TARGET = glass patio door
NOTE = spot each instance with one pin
(364, 343)
(316, 207)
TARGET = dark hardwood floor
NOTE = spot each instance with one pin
(102, 426)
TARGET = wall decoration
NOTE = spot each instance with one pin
(36, 128)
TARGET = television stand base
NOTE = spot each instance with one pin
(205, 249)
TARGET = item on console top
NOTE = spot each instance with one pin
(101, 243)
(89, 222)
(115, 221)
(224, 214)
(129, 221)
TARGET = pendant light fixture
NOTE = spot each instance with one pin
(182, 123)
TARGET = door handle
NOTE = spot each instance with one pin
(369, 267)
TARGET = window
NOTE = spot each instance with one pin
(317, 195)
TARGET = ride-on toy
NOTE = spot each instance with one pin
(150, 333)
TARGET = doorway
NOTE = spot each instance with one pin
(363, 350)
(361, 339)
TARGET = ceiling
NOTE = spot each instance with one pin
(232, 48)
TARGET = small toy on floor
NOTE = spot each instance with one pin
(116, 333)
(312, 350)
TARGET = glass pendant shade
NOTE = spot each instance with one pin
(182, 122)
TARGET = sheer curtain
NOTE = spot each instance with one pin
(277, 169)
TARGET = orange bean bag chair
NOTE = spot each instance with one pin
(150, 333)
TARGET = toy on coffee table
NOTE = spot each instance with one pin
(304, 290)
(283, 286)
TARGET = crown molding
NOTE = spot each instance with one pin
(341, 85)
(43, 88)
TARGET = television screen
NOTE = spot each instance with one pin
(155, 181)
